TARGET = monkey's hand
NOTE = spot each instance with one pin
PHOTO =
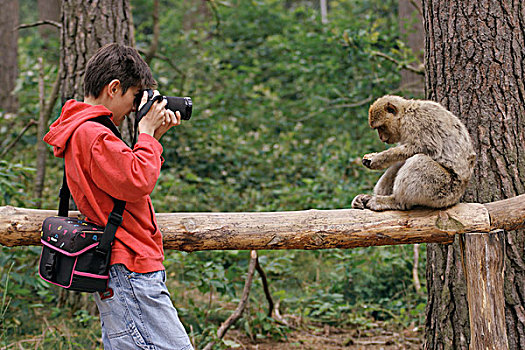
(368, 161)
(360, 201)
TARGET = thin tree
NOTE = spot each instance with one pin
(9, 50)
(475, 63)
(411, 28)
(48, 10)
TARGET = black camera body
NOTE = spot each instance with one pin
(182, 104)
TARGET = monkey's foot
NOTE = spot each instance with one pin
(360, 201)
(381, 203)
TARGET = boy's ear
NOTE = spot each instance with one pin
(113, 87)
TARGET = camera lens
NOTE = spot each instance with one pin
(182, 104)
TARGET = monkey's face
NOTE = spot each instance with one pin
(385, 119)
(385, 134)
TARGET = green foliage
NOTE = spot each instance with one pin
(258, 325)
(279, 123)
(29, 311)
(13, 183)
(270, 129)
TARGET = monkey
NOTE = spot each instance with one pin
(431, 164)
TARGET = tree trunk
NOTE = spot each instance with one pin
(475, 62)
(9, 50)
(87, 26)
(41, 149)
(411, 28)
(323, 4)
(48, 10)
(197, 13)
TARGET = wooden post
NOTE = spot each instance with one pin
(484, 263)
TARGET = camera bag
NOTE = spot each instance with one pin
(76, 253)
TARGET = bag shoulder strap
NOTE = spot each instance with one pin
(115, 217)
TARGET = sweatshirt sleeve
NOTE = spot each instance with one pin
(124, 173)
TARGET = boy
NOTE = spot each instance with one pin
(135, 311)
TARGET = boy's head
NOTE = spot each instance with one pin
(115, 61)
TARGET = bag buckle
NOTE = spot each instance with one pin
(115, 219)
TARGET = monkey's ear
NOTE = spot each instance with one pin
(390, 108)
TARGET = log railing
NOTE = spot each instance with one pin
(308, 229)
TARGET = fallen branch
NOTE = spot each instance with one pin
(242, 305)
(308, 229)
(277, 315)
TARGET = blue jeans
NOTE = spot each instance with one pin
(136, 313)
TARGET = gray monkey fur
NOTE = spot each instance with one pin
(432, 164)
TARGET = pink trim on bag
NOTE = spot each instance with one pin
(80, 273)
(67, 253)
(45, 279)
(92, 275)
(56, 284)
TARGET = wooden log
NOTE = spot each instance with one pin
(309, 229)
(507, 214)
(484, 270)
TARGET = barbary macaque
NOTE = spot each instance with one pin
(432, 164)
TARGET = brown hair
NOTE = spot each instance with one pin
(115, 61)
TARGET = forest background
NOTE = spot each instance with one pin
(281, 96)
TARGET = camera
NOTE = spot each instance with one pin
(182, 104)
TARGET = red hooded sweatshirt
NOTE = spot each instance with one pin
(100, 167)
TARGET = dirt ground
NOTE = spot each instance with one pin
(331, 338)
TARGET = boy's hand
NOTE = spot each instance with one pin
(156, 115)
(171, 120)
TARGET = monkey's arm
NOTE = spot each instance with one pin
(385, 159)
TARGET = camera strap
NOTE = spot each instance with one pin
(115, 217)
(142, 112)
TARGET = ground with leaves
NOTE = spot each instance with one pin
(333, 338)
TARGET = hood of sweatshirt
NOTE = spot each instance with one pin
(74, 113)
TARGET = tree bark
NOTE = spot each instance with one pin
(9, 50)
(46, 108)
(411, 28)
(87, 26)
(41, 149)
(309, 229)
(48, 10)
(483, 264)
(475, 62)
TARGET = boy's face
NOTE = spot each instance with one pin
(122, 104)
